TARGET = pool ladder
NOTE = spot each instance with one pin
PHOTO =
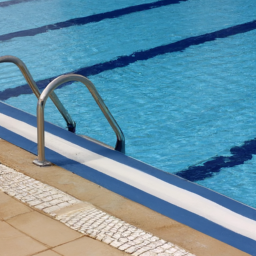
(71, 125)
(49, 92)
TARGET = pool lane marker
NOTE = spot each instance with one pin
(12, 2)
(240, 154)
(89, 19)
(123, 61)
(182, 198)
(84, 217)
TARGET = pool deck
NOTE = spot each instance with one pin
(25, 231)
(45, 235)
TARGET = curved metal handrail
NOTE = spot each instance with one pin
(120, 144)
(24, 70)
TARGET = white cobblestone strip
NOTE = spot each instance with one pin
(84, 217)
(32, 192)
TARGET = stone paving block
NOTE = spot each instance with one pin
(131, 249)
(158, 250)
(172, 250)
(124, 246)
(179, 253)
(13, 241)
(117, 243)
(10, 207)
(107, 240)
(87, 247)
(42, 206)
(44, 229)
(149, 253)
(47, 253)
(140, 251)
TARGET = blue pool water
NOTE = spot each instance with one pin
(183, 111)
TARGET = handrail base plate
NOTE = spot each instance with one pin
(41, 163)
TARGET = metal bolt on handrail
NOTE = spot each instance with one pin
(24, 70)
(41, 161)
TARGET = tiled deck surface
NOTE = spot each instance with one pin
(28, 230)
(24, 230)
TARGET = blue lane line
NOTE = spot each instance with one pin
(124, 61)
(240, 154)
(172, 211)
(89, 19)
(12, 2)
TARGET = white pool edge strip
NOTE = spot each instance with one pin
(177, 196)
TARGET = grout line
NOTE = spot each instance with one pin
(46, 245)
(34, 254)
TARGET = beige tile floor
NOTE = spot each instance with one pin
(16, 239)
(25, 232)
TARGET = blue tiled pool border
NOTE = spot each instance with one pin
(188, 218)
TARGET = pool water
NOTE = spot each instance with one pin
(180, 111)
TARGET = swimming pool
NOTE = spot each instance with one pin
(178, 79)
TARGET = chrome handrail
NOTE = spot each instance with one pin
(41, 161)
(24, 70)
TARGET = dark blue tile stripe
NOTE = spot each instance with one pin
(240, 154)
(190, 219)
(121, 158)
(124, 61)
(12, 2)
(89, 19)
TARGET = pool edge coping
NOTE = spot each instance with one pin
(146, 198)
